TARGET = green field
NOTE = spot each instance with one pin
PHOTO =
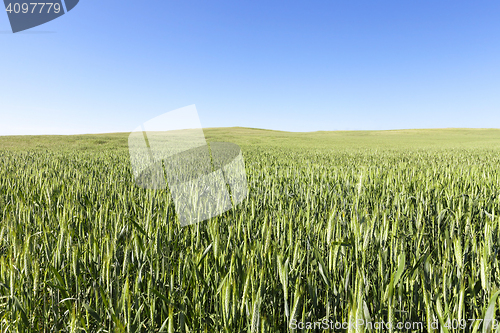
(380, 226)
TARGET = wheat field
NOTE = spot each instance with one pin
(399, 226)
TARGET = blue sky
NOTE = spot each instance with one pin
(108, 66)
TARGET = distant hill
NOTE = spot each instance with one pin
(390, 139)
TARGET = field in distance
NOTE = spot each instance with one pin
(391, 139)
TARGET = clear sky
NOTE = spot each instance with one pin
(108, 66)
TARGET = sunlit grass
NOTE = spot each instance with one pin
(391, 232)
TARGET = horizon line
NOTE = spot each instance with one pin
(273, 130)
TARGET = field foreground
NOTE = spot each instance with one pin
(392, 226)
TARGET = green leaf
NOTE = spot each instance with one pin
(489, 316)
(91, 312)
(401, 268)
(20, 309)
